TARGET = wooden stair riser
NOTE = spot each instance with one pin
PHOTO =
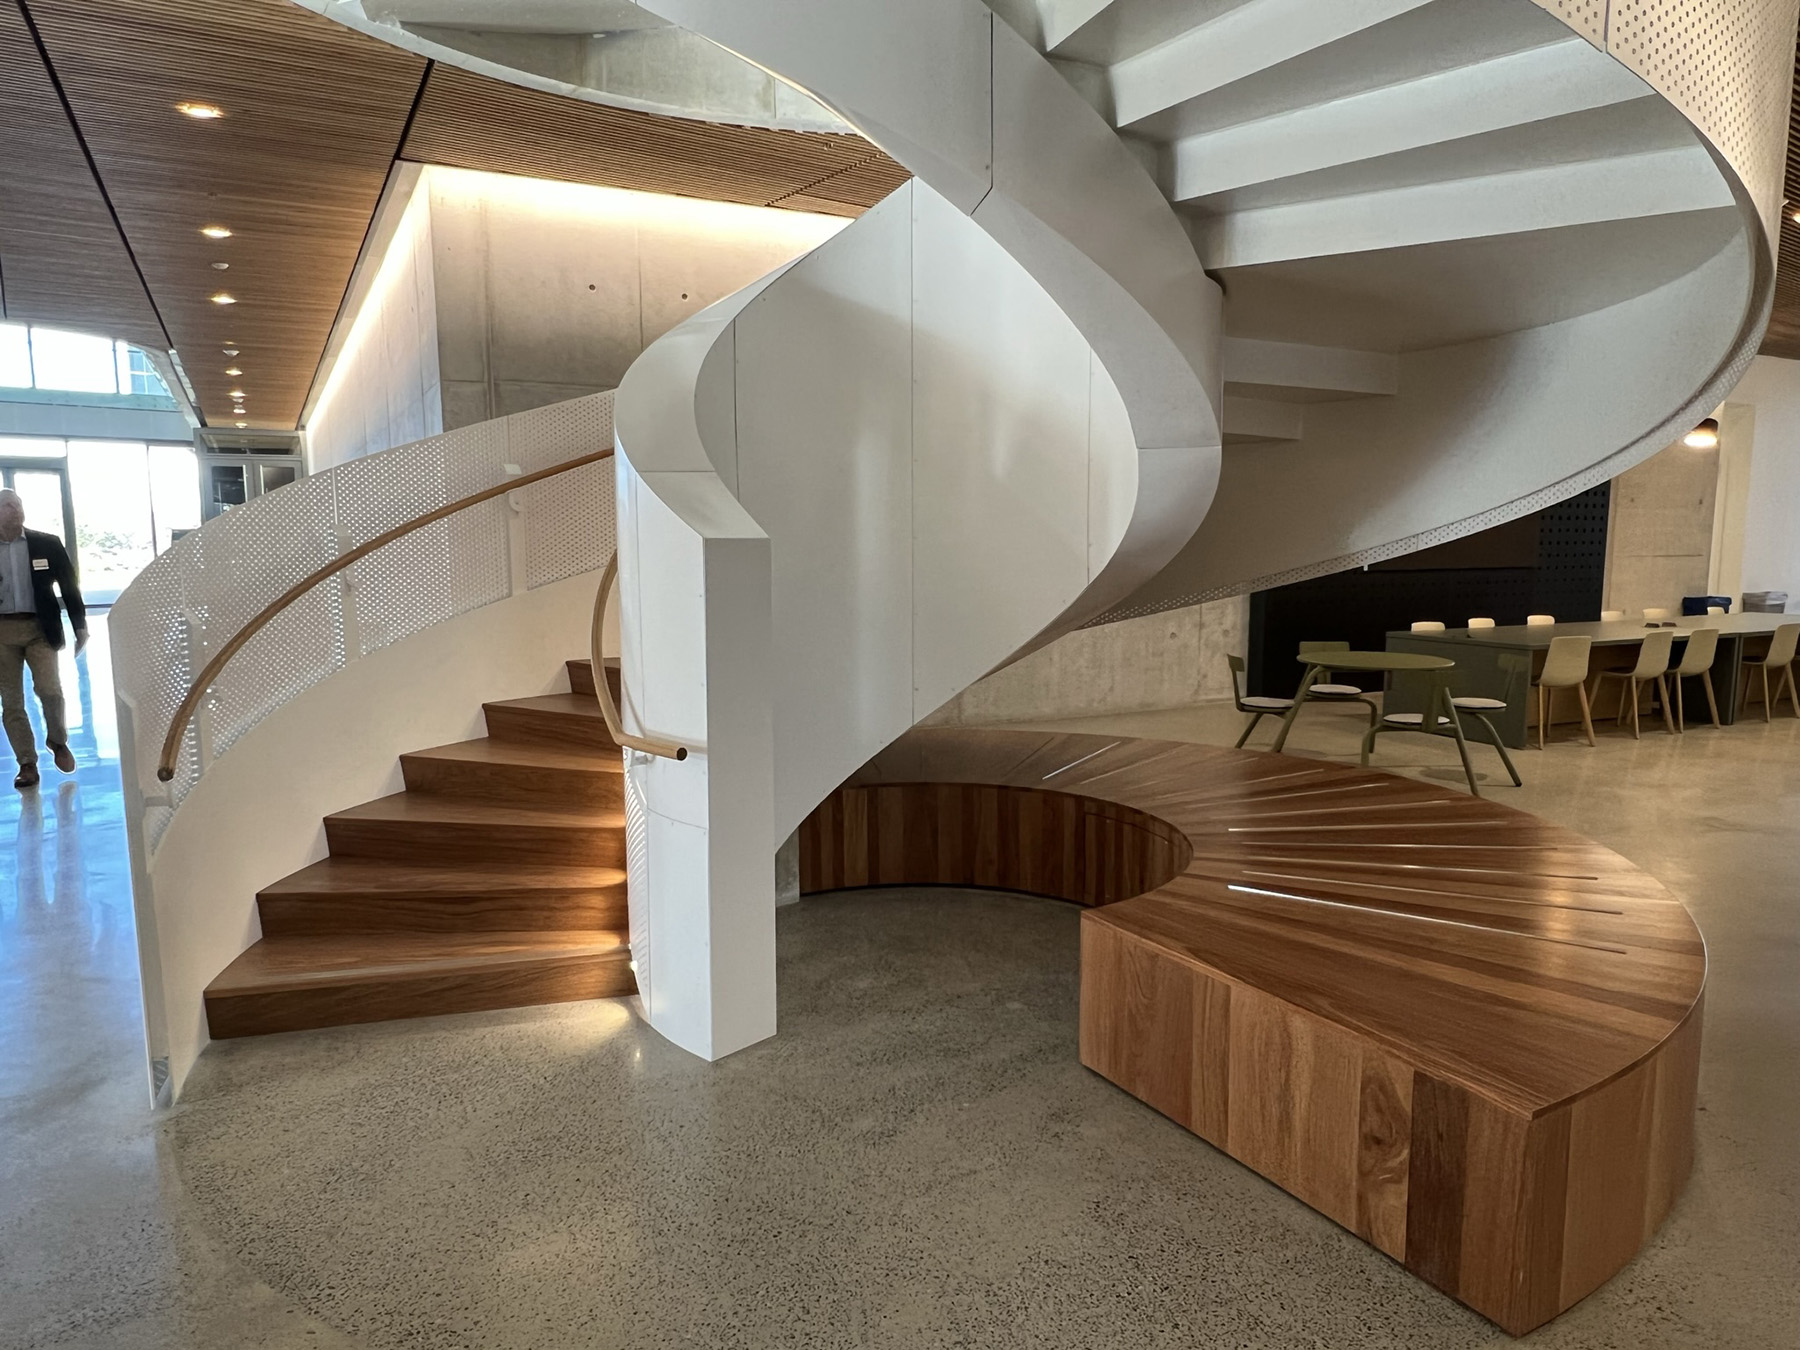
(514, 784)
(541, 727)
(581, 678)
(382, 996)
(539, 910)
(438, 843)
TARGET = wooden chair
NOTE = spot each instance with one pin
(1540, 620)
(1612, 615)
(1702, 648)
(1427, 626)
(1324, 692)
(1258, 707)
(1652, 668)
(1780, 657)
(1479, 623)
(1565, 667)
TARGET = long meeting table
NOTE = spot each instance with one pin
(1493, 662)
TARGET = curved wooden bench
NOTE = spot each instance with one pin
(1468, 1036)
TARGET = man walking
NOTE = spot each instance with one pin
(31, 633)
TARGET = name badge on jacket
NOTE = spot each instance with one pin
(40, 564)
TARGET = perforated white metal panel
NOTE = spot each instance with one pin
(1728, 65)
(199, 593)
(1587, 17)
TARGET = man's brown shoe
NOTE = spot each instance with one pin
(65, 759)
(28, 776)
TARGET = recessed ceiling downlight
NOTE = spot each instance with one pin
(1703, 437)
(215, 232)
(224, 299)
(200, 112)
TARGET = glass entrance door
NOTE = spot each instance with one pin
(44, 489)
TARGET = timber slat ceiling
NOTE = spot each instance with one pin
(471, 122)
(315, 118)
(61, 258)
(314, 113)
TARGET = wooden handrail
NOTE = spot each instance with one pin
(603, 691)
(171, 750)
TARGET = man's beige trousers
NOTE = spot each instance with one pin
(22, 644)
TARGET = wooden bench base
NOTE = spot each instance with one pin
(1469, 1037)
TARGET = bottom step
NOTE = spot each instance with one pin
(297, 983)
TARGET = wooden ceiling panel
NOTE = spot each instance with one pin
(62, 261)
(314, 114)
(471, 122)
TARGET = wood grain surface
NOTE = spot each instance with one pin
(495, 880)
(1468, 1036)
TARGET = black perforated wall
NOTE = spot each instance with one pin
(1363, 605)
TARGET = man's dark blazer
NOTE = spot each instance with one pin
(50, 567)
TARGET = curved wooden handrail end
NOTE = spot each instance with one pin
(190, 703)
(603, 688)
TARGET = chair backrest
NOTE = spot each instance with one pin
(1481, 623)
(1783, 645)
(1428, 626)
(1653, 656)
(1611, 615)
(1539, 620)
(1237, 681)
(1702, 646)
(1658, 614)
(1715, 609)
(1566, 663)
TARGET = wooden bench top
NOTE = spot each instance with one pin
(1504, 954)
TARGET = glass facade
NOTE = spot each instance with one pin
(33, 357)
(125, 501)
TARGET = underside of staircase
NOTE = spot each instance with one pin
(495, 880)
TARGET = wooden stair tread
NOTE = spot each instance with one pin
(309, 962)
(585, 706)
(524, 754)
(334, 876)
(435, 809)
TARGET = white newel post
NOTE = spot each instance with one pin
(695, 639)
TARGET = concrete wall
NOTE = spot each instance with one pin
(381, 389)
(548, 291)
(1659, 539)
(495, 295)
(1766, 535)
(1168, 660)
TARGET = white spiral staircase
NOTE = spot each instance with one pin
(1187, 297)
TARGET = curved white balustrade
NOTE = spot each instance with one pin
(397, 652)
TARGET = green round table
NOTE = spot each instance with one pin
(1317, 663)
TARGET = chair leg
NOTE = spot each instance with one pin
(1499, 745)
(1662, 684)
(1248, 728)
(1793, 696)
(1462, 746)
(1543, 697)
(1636, 689)
(1680, 703)
(1368, 744)
(1768, 709)
(1630, 684)
(1711, 702)
(1587, 721)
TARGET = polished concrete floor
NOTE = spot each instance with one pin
(917, 1160)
